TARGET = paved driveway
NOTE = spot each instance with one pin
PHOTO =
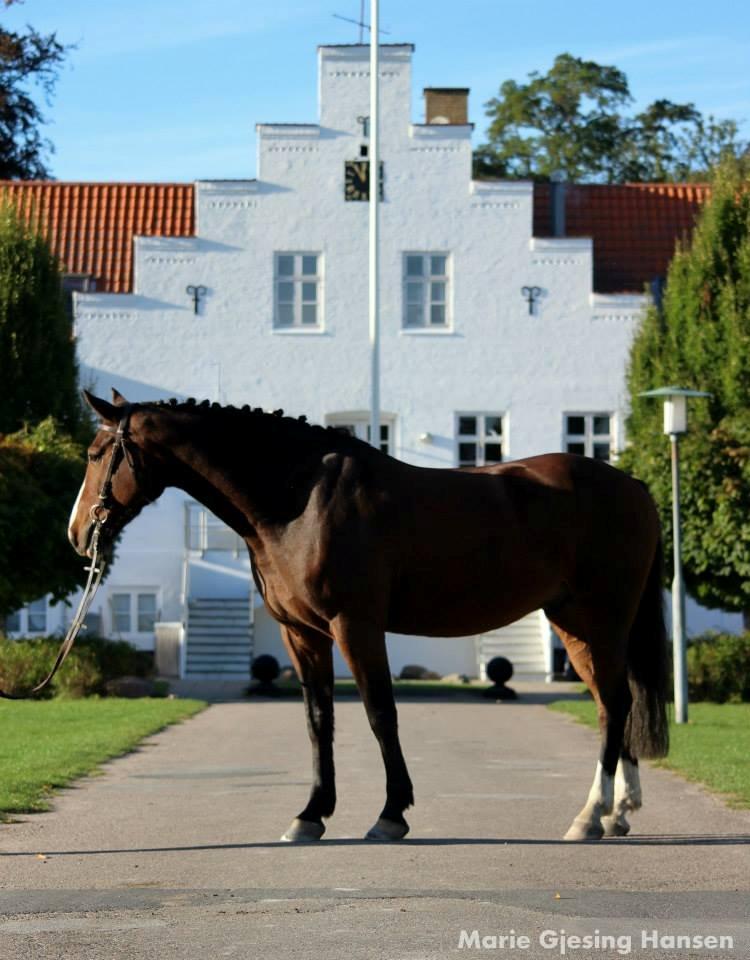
(172, 853)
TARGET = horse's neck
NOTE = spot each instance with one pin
(243, 476)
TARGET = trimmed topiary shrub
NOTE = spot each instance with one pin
(719, 668)
(265, 668)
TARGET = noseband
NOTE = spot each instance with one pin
(99, 513)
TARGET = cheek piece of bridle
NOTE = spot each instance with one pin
(100, 512)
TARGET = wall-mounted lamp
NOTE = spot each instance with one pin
(197, 293)
(364, 122)
(425, 438)
(531, 294)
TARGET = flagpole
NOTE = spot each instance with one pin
(374, 233)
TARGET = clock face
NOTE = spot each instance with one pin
(357, 180)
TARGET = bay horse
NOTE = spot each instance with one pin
(347, 543)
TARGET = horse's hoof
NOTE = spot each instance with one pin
(615, 826)
(582, 830)
(303, 831)
(387, 830)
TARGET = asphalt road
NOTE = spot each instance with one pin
(173, 851)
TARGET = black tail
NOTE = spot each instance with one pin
(647, 729)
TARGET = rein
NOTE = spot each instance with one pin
(99, 513)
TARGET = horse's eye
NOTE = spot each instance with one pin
(93, 457)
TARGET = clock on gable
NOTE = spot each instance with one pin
(357, 180)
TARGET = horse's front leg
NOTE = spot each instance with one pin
(363, 647)
(312, 657)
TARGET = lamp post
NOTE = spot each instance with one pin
(675, 424)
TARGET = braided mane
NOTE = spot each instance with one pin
(209, 408)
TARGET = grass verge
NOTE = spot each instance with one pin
(46, 744)
(711, 749)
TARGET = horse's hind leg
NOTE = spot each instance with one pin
(603, 669)
(627, 796)
(363, 647)
(312, 657)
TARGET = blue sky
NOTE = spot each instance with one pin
(172, 89)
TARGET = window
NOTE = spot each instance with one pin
(298, 287)
(146, 612)
(37, 614)
(479, 438)
(133, 612)
(29, 619)
(121, 612)
(589, 434)
(426, 290)
(358, 425)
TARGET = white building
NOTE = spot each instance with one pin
(494, 344)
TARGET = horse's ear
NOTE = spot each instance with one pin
(105, 410)
(118, 399)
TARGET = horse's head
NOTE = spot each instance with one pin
(119, 481)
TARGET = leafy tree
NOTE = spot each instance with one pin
(572, 120)
(40, 472)
(41, 421)
(674, 142)
(27, 60)
(38, 367)
(701, 339)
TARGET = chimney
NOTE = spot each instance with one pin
(448, 105)
(557, 203)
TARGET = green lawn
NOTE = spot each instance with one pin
(713, 748)
(46, 744)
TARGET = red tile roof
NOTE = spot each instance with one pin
(634, 226)
(91, 226)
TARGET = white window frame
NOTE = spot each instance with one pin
(588, 438)
(425, 282)
(298, 279)
(133, 593)
(481, 437)
(359, 424)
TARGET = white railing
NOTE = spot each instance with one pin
(204, 531)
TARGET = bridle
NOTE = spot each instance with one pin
(100, 510)
(99, 513)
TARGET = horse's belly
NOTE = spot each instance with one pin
(465, 603)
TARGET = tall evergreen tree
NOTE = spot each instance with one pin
(41, 421)
(701, 339)
(38, 369)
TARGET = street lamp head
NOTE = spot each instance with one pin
(675, 406)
